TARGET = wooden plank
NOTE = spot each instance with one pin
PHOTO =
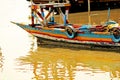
(43, 1)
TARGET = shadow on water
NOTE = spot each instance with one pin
(56, 44)
(57, 63)
(84, 47)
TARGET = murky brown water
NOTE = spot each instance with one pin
(60, 64)
(97, 17)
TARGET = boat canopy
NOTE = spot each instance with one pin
(53, 5)
(42, 1)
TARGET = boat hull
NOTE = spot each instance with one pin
(60, 35)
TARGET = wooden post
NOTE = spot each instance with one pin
(89, 16)
(32, 20)
(32, 12)
(67, 12)
(108, 19)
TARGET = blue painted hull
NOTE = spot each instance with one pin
(84, 37)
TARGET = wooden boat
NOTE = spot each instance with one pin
(49, 30)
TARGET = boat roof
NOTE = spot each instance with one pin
(54, 5)
(42, 1)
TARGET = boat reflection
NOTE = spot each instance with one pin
(1, 60)
(59, 64)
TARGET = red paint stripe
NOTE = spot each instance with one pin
(94, 39)
(49, 34)
(39, 14)
(78, 38)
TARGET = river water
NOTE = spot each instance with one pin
(32, 62)
(22, 59)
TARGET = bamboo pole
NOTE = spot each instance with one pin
(89, 17)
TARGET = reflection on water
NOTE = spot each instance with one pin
(66, 64)
(20, 60)
(43, 63)
(11, 51)
(1, 60)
